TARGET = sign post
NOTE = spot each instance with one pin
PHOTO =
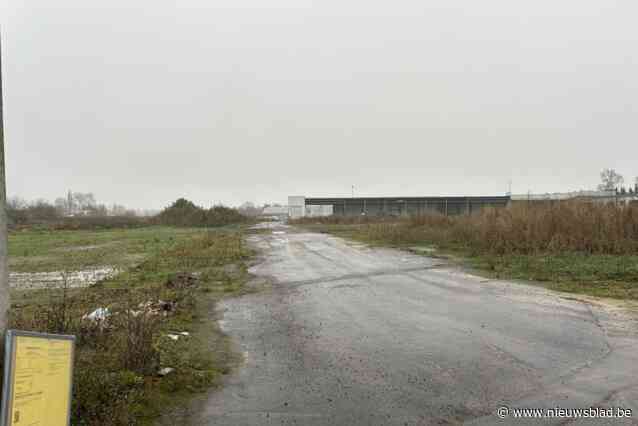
(38, 379)
(4, 279)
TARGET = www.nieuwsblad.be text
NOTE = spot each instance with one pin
(564, 413)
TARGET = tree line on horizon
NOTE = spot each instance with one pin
(611, 180)
(184, 212)
(75, 204)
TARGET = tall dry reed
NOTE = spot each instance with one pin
(519, 229)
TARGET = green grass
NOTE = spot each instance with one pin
(601, 275)
(34, 250)
(116, 381)
(613, 276)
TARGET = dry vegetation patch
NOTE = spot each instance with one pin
(145, 339)
(576, 247)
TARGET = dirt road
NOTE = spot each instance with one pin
(349, 335)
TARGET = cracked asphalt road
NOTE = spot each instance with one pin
(349, 335)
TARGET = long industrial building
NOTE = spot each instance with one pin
(300, 206)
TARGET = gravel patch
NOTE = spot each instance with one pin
(56, 279)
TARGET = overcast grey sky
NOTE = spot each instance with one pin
(250, 100)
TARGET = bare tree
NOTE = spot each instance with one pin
(249, 209)
(41, 210)
(62, 206)
(17, 203)
(610, 180)
(117, 210)
(84, 201)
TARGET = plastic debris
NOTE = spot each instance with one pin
(100, 314)
(158, 308)
(176, 336)
(166, 371)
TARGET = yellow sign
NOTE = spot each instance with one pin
(38, 392)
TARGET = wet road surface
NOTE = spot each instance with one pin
(349, 335)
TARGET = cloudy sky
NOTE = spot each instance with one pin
(141, 102)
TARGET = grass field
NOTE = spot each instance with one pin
(170, 281)
(44, 250)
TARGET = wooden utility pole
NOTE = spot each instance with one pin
(4, 274)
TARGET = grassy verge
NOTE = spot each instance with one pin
(159, 314)
(600, 275)
(596, 274)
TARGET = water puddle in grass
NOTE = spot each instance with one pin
(57, 279)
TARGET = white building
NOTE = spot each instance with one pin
(297, 208)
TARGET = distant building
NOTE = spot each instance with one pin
(298, 207)
(602, 197)
(560, 196)
(280, 212)
(391, 206)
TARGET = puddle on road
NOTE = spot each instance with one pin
(57, 279)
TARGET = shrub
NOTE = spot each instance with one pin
(185, 213)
